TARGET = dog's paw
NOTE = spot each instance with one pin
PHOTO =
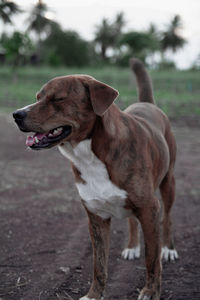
(169, 254)
(144, 297)
(147, 294)
(86, 298)
(131, 253)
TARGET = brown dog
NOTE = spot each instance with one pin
(119, 160)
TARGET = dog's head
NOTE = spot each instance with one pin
(65, 110)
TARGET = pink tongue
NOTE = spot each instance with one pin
(30, 140)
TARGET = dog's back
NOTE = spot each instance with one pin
(146, 110)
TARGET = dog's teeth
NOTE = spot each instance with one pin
(50, 135)
(36, 140)
(56, 131)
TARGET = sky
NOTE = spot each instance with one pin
(84, 15)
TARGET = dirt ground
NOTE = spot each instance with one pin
(45, 250)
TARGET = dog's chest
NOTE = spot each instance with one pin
(99, 194)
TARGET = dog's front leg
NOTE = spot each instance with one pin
(100, 237)
(149, 218)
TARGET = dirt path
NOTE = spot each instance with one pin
(45, 251)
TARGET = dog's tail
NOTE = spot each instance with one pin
(144, 84)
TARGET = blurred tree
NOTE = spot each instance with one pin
(171, 39)
(139, 44)
(155, 47)
(39, 23)
(108, 34)
(65, 47)
(17, 46)
(117, 27)
(7, 10)
(103, 37)
(155, 37)
(119, 23)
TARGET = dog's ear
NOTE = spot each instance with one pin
(101, 95)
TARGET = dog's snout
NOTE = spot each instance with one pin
(19, 117)
(19, 114)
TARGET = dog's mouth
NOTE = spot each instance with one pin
(49, 139)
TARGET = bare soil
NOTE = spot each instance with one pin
(45, 250)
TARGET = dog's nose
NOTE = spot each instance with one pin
(19, 114)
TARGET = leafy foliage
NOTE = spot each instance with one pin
(108, 34)
(37, 21)
(171, 38)
(7, 10)
(65, 47)
(17, 47)
(139, 44)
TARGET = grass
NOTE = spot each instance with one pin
(176, 92)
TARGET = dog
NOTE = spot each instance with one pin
(119, 159)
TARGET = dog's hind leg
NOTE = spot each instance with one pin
(167, 189)
(133, 249)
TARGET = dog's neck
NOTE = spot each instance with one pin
(111, 121)
(111, 124)
(114, 123)
(111, 130)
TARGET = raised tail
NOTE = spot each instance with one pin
(144, 84)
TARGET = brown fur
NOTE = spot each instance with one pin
(133, 240)
(138, 149)
(100, 237)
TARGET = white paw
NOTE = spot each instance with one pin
(86, 298)
(144, 297)
(131, 253)
(169, 254)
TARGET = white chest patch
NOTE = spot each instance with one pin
(100, 195)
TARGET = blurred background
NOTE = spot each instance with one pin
(42, 39)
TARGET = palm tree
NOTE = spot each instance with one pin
(118, 24)
(154, 46)
(108, 34)
(104, 37)
(171, 38)
(7, 10)
(38, 21)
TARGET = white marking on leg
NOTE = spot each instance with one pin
(131, 253)
(169, 254)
